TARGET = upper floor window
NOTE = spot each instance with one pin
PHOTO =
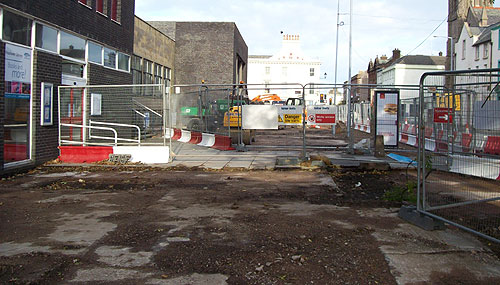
(86, 2)
(101, 6)
(115, 10)
(486, 50)
(72, 46)
(463, 49)
(123, 62)
(109, 58)
(311, 71)
(268, 70)
(46, 37)
(16, 28)
(284, 71)
(476, 52)
(95, 53)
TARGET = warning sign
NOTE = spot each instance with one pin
(293, 118)
(321, 115)
(289, 115)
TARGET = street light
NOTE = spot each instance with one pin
(452, 44)
(339, 24)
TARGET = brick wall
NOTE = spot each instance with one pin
(78, 18)
(46, 68)
(241, 51)
(204, 51)
(100, 75)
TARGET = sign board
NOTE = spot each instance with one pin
(17, 72)
(443, 115)
(321, 115)
(387, 114)
(259, 117)
(46, 103)
(289, 115)
(95, 104)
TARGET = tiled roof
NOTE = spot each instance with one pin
(421, 60)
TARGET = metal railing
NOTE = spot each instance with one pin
(79, 142)
(138, 140)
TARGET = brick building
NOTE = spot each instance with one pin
(46, 44)
(211, 51)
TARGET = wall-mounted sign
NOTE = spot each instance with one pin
(321, 115)
(387, 114)
(47, 96)
(443, 115)
(95, 104)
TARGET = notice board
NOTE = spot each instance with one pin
(387, 116)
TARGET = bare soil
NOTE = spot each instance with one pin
(117, 225)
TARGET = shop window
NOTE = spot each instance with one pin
(123, 62)
(72, 46)
(109, 58)
(46, 37)
(16, 28)
(311, 71)
(95, 53)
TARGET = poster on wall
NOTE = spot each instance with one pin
(387, 114)
(290, 115)
(46, 103)
(17, 72)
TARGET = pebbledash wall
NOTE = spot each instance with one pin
(96, 43)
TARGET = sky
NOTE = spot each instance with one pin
(378, 26)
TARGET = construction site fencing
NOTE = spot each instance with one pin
(112, 115)
(458, 132)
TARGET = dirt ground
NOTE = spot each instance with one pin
(141, 225)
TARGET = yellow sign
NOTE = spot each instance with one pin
(292, 118)
(446, 101)
(280, 120)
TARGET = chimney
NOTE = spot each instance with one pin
(383, 57)
(396, 53)
(484, 18)
(440, 53)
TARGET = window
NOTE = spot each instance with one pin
(136, 67)
(311, 71)
(284, 71)
(109, 58)
(311, 90)
(95, 53)
(123, 62)
(463, 49)
(115, 10)
(148, 71)
(46, 37)
(72, 46)
(268, 70)
(486, 50)
(476, 51)
(101, 6)
(72, 68)
(16, 28)
(86, 2)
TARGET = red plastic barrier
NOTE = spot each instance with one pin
(222, 143)
(441, 145)
(405, 128)
(466, 141)
(177, 134)
(195, 138)
(428, 132)
(81, 154)
(404, 138)
(413, 130)
(492, 145)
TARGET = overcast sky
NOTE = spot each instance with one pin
(378, 27)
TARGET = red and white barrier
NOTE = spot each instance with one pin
(90, 154)
(202, 139)
(185, 136)
(207, 140)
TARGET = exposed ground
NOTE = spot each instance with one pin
(140, 225)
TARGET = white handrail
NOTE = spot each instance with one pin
(93, 127)
(119, 125)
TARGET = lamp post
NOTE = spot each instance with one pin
(337, 52)
(452, 49)
(349, 107)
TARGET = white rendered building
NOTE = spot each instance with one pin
(289, 65)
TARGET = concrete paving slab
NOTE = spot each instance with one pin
(215, 164)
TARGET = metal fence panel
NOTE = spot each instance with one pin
(459, 138)
(112, 115)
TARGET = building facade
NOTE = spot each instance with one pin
(85, 43)
(407, 71)
(212, 52)
(289, 65)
